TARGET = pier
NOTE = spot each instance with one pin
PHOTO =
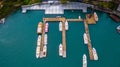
(62, 19)
(42, 39)
(74, 20)
(64, 39)
(89, 41)
(90, 19)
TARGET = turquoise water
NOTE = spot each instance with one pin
(18, 41)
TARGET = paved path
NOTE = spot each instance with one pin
(56, 8)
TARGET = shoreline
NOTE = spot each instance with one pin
(15, 8)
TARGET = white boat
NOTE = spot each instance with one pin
(95, 54)
(39, 29)
(46, 27)
(95, 16)
(60, 26)
(44, 51)
(60, 50)
(2, 20)
(45, 39)
(79, 17)
(84, 60)
(85, 38)
(37, 52)
(66, 25)
(39, 40)
(118, 28)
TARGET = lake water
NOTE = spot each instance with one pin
(18, 39)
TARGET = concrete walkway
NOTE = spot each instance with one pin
(56, 8)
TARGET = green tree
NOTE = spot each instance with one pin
(63, 1)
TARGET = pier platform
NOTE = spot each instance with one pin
(89, 41)
(74, 20)
(90, 19)
(42, 39)
(62, 19)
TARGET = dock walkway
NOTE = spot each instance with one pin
(42, 39)
(89, 41)
(62, 19)
(56, 8)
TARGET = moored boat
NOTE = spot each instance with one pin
(95, 16)
(2, 20)
(46, 27)
(39, 40)
(45, 39)
(39, 29)
(60, 26)
(95, 54)
(118, 28)
(44, 51)
(85, 38)
(66, 25)
(84, 60)
(37, 52)
(79, 17)
(60, 50)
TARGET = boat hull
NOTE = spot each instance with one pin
(60, 50)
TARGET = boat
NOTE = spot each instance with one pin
(39, 30)
(44, 51)
(66, 25)
(46, 27)
(60, 50)
(39, 40)
(95, 54)
(95, 16)
(84, 60)
(118, 28)
(60, 26)
(45, 39)
(37, 52)
(2, 20)
(85, 38)
(79, 17)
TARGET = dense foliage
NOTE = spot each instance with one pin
(8, 6)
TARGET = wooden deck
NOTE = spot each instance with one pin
(90, 20)
(62, 19)
(64, 39)
(89, 41)
(42, 39)
(63, 32)
(74, 20)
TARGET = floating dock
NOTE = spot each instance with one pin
(90, 19)
(89, 41)
(42, 39)
(64, 39)
(62, 19)
(74, 20)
